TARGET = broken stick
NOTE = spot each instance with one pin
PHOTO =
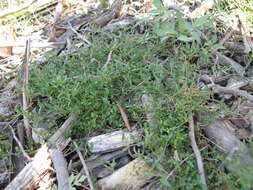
(60, 166)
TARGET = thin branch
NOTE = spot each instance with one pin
(84, 166)
(20, 145)
(124, 117)
(197, 152)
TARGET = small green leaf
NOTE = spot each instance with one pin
(195, 36)
(184, 38)
(201, 21)
(218, 46)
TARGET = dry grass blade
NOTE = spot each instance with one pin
(197, 152)
(125, 118)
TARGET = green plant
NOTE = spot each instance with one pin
(171, 23)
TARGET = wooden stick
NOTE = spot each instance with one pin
(84, 166)
(197, 153)
(60, 166)
(25, 72)
(124, 117)
(16, 9)
(235, 92)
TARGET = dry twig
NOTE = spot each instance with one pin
(20, 145)
(84, 166)
(197, 152)
(125, 118)
(235, 92)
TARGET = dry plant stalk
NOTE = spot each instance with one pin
(25, 72)
(197, 153)
(125, 118)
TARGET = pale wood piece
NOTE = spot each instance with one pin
(229, 142)
(147, 101)
(58, 137)
(112, 141)
(32, 171)
(60, 166)
(130, 177)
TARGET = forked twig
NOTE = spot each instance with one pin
(197, 152)
(84, 166)
(124, 117)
